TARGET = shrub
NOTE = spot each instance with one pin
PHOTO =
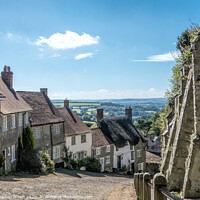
(2, 160)
(28, 139)
(92, 164)
(49, 164)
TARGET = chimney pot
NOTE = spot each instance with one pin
(66, 103)
(44, 90)
(99, 116)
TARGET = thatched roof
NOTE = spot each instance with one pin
(13, 102)
(73, 124)
(120, 130)
(44, 111)
(156, 146)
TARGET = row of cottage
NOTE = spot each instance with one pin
(115, 142)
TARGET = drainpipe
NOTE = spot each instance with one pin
(51, 138)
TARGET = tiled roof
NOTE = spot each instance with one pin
(150, 157)
(13, 102)
(73, 124)
(98, 138)
(44, 111)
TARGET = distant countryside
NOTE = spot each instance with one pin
(142, 108)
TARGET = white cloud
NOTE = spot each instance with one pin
(9, 35)
(171, 56)
(84, 55)
(55, 55)
(107, 94)
(68, 40)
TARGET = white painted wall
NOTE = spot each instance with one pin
(125, 153)
(80, 146)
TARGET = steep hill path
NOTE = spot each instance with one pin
(65, 184)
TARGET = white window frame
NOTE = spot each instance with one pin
(4, 123)
(13, 121)
(9, 151)
(56, 129)
(13, 153)
(98, 151)
(139, 153)
(26, 118)
(20, 119)
(56, 152)
(82, 138)
(73, 142)
(37, 132)
(107, 159)
(108, 148)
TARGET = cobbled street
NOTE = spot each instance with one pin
(65, 184)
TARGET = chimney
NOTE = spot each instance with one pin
(99, 116)
(128, 113)
(66, 103)
(44, 90)
(7, 76)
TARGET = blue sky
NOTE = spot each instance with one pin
(93, 49)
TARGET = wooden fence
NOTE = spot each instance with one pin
(152, 189)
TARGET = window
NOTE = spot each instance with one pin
(131, 147)
(132, 155)
(56, 152)
(107, 159)
(13, 153)
(98, 151)
(37, 132)
(26, 118)
(4, 126)
(20, 119)
(81, 155)
(9, 151)
(73, 140)
(117, 148)
(83, 138)
(13, 121)
(56, 129)
(139, 153)
(108, 148)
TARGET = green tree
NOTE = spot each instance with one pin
(28, 139)
(143, 126)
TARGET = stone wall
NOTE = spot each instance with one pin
(181, 155)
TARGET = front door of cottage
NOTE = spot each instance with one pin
(119, 162)
(102, 164)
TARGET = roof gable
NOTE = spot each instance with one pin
(98, 138)
(13, 102)
(44, 111)
(73, 124)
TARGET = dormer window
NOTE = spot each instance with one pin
(4, 124)
(13, 121)
(108, 148)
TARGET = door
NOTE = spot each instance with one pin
(119, 162)
(102, 164)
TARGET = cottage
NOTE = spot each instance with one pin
(129, 151)
(102, 149)
(47, 124)
(77, 135)
(14, 116)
